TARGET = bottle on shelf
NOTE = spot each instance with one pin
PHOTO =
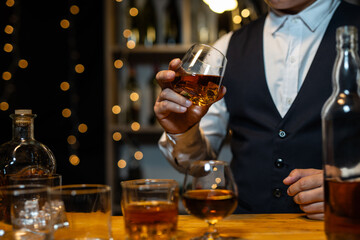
(341, 141)
(173, 26)
(149, 24)
(23, 155)
(143, 23)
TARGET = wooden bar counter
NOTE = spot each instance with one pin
(245, 226)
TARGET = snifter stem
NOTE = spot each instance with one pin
(212, 233)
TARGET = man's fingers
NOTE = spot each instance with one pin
(175, 64)
(170, 101)
(305, 183)
(165, 107)
(170, 95)
(317, 207)
(164, 78)
(221, 94)
(310, 196)
(316, 216)
(296, 174)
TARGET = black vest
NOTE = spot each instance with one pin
(265, 146)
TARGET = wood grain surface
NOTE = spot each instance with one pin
(245, 226)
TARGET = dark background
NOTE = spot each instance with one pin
(52, 53)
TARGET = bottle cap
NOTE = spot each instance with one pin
(23, 111)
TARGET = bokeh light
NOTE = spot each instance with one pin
(116, 109)
(82, 128)
(117, 136)
(121, 163)
(65, 23)
(66, 113)
(64, 86)
(74, 160)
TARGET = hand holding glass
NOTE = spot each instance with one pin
(210, 193)
(200, 76)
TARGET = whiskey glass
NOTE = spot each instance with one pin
(25, 212)
(87, 208)
(150, 208)
(200, 76)
(52, 180)
(209, 193)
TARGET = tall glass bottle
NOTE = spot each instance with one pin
(23, 155)
(173, 27)
(341, 141)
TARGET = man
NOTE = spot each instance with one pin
(277, 79)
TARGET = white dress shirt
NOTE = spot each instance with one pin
(290, 44)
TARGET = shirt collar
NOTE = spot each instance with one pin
(312, 16)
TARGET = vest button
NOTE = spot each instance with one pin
(279, 163)
(282, 133)
(277, 192)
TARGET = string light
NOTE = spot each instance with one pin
(65, 86)
(6, 76)
(138, 155)
(237, 19)
(66, 113)
(23, 63)
(131, 44)
(245, 13)
(127, 33)
(133, 12)
(71, 139)
(9, 29)
(116, 109)
(74, 160)
(121, 163)
(83, 128)
(15, 62)
(65, 23)
(10, 3)
(117, 136)
(134, 96)
(74, 10)
(4, 106)
(79, 68)
(69, 87)
(118, 64)
(8, 47)
(135, 126)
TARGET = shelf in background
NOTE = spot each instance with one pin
(155, 53)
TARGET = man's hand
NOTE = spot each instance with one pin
(306, 186)
(174, 112)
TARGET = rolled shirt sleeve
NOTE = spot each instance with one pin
(202, 142)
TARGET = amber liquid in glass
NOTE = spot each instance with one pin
(151, 220)
(211, 205)
(342, 209)
(200, 89)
